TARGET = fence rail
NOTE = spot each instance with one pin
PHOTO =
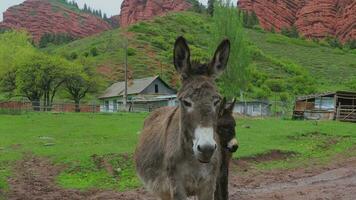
(24, 106)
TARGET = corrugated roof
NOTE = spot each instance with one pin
(136, 87)
(312, 96)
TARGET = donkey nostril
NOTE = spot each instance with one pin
(199, 149)
(216, 146)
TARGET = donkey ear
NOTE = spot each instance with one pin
(222, 107)
(221, 57)
(181, 56)
(231, 107)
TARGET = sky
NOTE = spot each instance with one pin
(110, 7)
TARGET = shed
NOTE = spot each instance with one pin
(339, 105)
(144, 94)
(253, 108)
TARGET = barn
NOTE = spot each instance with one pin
(339, 105)
(144, 94)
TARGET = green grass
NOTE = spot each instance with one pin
(295, 61)
(82, 142)
(330, 67)
(70, 139)
(306, 139)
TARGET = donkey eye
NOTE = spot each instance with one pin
(187, 103)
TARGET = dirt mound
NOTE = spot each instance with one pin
(35, 179)
(332, 182)
(273, 155)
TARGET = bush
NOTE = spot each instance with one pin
(73, 56)
(334, 42)
(131, 51)
(291, 32)
(94, 52)
(54, 38)
(351, 44)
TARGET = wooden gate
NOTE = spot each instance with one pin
(346, 113)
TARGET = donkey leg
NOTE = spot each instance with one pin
(207, 193)
(178, 192)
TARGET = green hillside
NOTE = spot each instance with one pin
(302, 66)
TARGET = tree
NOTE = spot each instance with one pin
(94, 51)
(211, 7)
(8, 83)
(227, 23)
(276, 86)
(79, 82)
(291, 32)
(40, 76)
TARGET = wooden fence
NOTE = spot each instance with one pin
(25, 106)
(346, 113)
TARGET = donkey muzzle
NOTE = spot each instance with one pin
(204, 144)
(232, 146)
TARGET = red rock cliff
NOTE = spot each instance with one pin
(313, 18)
(133, 11)
(41, 16)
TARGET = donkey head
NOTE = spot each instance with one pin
(199, 98)
(226, 126)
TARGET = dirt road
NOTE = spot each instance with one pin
(35, 180)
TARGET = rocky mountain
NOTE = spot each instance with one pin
(137, 10)
(54, 17)
(312, 18)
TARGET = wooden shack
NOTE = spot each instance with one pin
(340, 105)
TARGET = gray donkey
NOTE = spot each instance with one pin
(178, 154)
(229, 145)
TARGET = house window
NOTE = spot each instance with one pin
(115, 105)
(107, 106)
(156, 88)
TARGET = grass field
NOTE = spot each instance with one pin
(79, 141)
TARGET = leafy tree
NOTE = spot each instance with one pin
(351, 44)
(94, 51)
(53, 38)
(334, 42)
(211, 7)
(14, 47)
(227, 23)
(276, 85)
(41, 76)
(8, 83)
(249, 19)
(79, 82)
(73, 56)
(291, 32)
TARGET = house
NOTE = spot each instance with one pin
(253, 108)
(144, 94)
(339, 105)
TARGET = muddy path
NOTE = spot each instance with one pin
(35, 179)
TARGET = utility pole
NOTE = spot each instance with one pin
(125, 93)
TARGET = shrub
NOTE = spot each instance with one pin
(351, 44)
(291, 32)
(131, 51)
(94, 51)
(334, 42)
(73, 56)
